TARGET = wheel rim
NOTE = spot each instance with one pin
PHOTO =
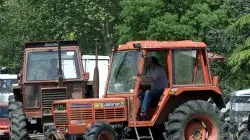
(200, 128)
(105, 136)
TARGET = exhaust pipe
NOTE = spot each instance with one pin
(60, 76)
(96, 76)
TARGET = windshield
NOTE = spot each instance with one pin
(6, 85)
(3, 111)
(240, 99)
(44, 65)
(124, 66)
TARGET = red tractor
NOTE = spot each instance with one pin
(179, 110)
(52, 70)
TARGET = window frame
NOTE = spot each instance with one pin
(25, 64)
(203, 61)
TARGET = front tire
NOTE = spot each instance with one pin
(18, 120)
(196, 120)
(101, 131)
(53, 135)
(18, 128)
(14, 106)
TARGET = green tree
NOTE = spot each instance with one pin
(240, 59)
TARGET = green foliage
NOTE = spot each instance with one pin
(222, 24)
(22, 21)
(240, 58)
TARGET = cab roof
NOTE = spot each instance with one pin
(40, 44)
(152, 44)
(8, 76)
(243, 92)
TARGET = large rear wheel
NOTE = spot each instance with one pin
(101, 131)
(196, 120)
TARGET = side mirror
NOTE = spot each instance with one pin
(215, 80)
(86, 76)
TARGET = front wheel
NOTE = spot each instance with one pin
(18, 127)
(196, 120)
(101, 131)
(53, 135)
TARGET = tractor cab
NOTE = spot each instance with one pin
(185, 64)
(179, 104)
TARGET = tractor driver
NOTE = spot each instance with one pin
(53, 71)
(158, 81)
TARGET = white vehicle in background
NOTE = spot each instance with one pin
(89, 66)
(6, 82)
(239, 108)
(236, 109)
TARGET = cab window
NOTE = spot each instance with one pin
(187, 67)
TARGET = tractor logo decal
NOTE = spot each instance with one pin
(111, 104)
(81, 106)
(97, 105)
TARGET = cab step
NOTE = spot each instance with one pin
(144, 137)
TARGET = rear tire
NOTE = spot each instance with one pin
(196, 119)
(18, 129)
(243, 132)
(100, 131)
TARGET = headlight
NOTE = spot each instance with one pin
(59, 107)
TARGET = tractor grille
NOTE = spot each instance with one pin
(116, 113)
(51, 95)
(100, 114)
(61, 118)
(81, 114)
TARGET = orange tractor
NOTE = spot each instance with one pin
(180, 111)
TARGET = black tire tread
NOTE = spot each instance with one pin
(243, 132)
(244, 136)
(18, 120)
(14, 106)
(94, 130)
(19, 127)
(183, 113)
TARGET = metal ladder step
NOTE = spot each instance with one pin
(144, 137)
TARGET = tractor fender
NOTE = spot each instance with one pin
(204, 92)
(174, 97)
